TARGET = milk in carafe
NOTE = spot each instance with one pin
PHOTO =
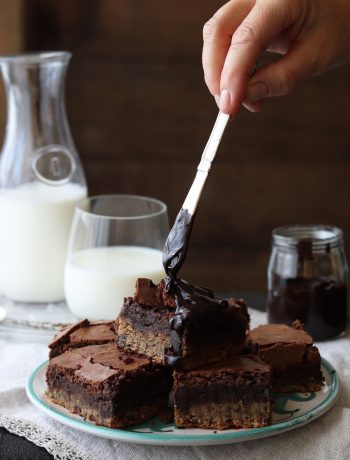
(35, 223)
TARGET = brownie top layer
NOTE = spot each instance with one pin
(269, 334)
(280, 345)
(158, 296)
(85, 332)
(66, 331)
(94, 332)
(96, 363)
(153, 295)
(237, 363)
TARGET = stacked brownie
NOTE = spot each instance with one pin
(206, 330)
(186, 340)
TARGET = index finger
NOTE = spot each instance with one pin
(217, 35)
(261, 26)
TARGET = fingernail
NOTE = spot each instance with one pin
(254, 107)
(257, 91)
(217, 99)
(225, 100)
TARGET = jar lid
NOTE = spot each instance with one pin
(318, 237)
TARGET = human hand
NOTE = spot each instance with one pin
(312, 36)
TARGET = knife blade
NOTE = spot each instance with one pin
(176, 244)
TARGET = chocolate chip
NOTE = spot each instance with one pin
(128, 359)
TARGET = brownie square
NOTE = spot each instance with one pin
(81, 334)
(107, 386)
(204, 331)
(235, 393)
(295, 361)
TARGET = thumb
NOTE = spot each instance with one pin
(280, 77)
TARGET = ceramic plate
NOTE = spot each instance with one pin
(291, 410)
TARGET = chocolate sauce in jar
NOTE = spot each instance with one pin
(319, 303)
(307, 279)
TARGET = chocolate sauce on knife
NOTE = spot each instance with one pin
(175, 248)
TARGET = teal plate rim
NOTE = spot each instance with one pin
(217, 437)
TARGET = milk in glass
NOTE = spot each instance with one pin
(98, 279)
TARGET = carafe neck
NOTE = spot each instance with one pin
(36, 115)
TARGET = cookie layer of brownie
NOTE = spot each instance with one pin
(81, 334)
(108, 386)
(295, 361)
(204, 329)
(235, 393)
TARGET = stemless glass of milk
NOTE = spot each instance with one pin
(114, 240)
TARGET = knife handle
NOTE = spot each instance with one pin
(204, 166)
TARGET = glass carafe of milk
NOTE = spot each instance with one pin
(41, 178)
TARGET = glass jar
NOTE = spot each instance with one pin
(41, 178)
(307, 279)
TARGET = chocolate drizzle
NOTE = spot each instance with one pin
(189, 299)
(197, 314)
(200, 318)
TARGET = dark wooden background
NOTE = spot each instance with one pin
(141, 114)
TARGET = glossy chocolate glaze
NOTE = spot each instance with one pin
(194, 305)
(198, 311)
(203, 322)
